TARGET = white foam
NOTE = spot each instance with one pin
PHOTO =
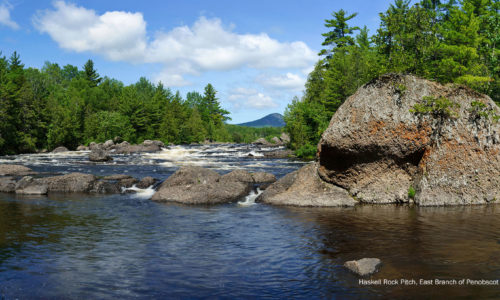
(140, 193)
(250, 198)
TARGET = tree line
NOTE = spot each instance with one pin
(449, 42)
(65, 106)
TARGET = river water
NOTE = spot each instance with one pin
(126, 246)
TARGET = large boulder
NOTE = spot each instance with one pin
(70, 183)
(15, 170)
(285, 138)
(237, 175)
(99, 155)
(31, 186)
(7, 184)
(196, 185)
(305, 188)
(146, 146)
(401, 139)
(108, 144)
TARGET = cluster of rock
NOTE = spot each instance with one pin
(22, 180)
(100, 152)
(197, 185)
(283, 140)
(377, 149)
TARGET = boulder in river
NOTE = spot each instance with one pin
(82, 148)
(99, 155)
(146, 182)
(70, 183)
(108, 144)
(15, 170)
(364, 266)
(7, 184)
(31, 186)
(60, 149)
(196, 185)
(305, 188)
(401, 138)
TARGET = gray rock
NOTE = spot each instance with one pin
(146, 182)
(376, 148)
(70, 183)
(364, 266)
(126, 148)
(148, 143)
(237, 175)
(30, 186)
(99, 155)
(117, 140)
(117, 177)
(60, 149)
(263, 177)
(279, 154)
(7, 184)
(305, 188)
(196, 185)
(108, 144)
(262, 142)
(82, 148)
(285, 138)
(94, 146)
(276, 141)
(15, 170)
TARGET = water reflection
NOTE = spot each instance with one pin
(413, 243)
(120, 246)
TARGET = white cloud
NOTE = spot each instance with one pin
(205, 46)
(118, 35)
(5, 19)
(250, 98)
(289, 81)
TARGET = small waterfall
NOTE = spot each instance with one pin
(250, 198)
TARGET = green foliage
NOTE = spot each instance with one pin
(58, 106)
(437, 107)
(243, 134)
(411, 193)
(479, 110)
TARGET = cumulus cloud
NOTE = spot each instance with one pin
(5, 19)
(205, 46)
(118, 35)
(289, 81)
(250, 98)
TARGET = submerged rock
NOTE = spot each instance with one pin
(364, 266)
(196, 185)
(305, 188)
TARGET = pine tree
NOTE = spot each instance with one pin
(91, 74)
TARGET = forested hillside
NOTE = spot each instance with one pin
(446, 41)
(54, 106)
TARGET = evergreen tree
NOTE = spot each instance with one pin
(91, 74)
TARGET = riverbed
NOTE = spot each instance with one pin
(126, 246)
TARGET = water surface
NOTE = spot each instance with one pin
(125, 246)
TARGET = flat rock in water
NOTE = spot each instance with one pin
(15, 170)
(304, 188)
(31, 186)
(263, 177)
(196, 185)
(364, 266)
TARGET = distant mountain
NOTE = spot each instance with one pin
(272, 120)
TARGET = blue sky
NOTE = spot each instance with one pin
(256, 53)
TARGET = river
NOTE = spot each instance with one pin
(126, 246)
